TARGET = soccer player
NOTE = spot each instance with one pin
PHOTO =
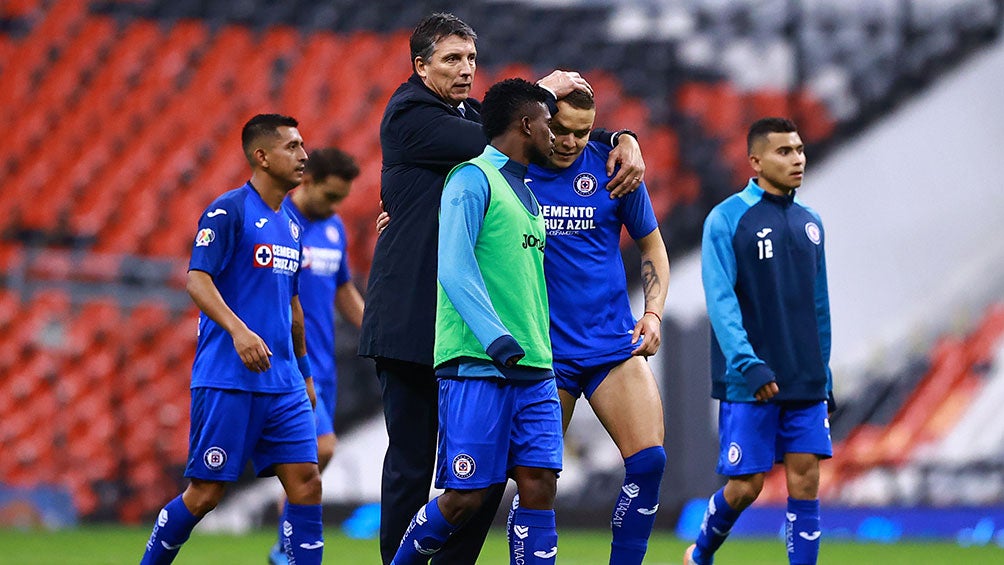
(599, 348)
(325, 283)
(498, 404)
(430, 125)
(764, 275)
(252, 391)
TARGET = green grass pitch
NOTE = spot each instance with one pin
(110, 545)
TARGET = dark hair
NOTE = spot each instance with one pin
(433, 28)
(763, 126)
(580, 99)
(323, 163)
(507, 101)
(260, 126)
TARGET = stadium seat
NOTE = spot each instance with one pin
(763, 103)
(12, 262)
(20, 8)
(51, 264)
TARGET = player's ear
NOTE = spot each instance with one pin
(525, 120)
(261, 157)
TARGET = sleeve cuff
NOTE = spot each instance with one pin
(757, 376)
(548, 90)
(617, 134)
(503, 349)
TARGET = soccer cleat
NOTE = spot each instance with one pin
(276, 556)
(687, 560)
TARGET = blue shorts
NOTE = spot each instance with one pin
(753, 436)
(580, 378)
(488, 426)
(231, 426)
(324, 412)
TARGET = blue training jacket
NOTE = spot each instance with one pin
(764, 275)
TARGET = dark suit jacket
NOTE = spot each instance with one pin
(422, 138)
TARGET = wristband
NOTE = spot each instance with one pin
(657, 317)
(304, 364)
(617, 135)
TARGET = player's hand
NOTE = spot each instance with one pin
(511, 362)
(562, 83)
(383, 220)
(627, 154)
(311, 393)
(253, 351)
(649, 327)
(766, 392)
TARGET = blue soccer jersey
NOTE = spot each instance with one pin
(324, 269)
(764, 273)
(586, 285)
(253, 254)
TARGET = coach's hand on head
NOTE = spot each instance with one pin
(253, 351)
(562, 83)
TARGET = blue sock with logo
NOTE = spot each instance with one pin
(534, 538)
(801, 531)
(509, 519)
(282, 519)
(718, 521)
(174, 525)
(426, 535)
(634, 514)
(303, 534)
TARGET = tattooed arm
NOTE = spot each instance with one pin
(655, 283)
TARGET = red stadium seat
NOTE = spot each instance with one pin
(814, 120)
(12, 260)
(10, 305)
(19, 8)
(51, 264)
(764, 103)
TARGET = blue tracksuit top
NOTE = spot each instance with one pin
(764, 275)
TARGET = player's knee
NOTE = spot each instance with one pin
(743, 491)
(537, 488)
(459, 505)
(802, 474)
(804, 486)
(306, 489)
(202, 496)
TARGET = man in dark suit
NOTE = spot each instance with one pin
(430, 125)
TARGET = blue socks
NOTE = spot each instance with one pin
(426, 535)
(533, 537)
(302, 534)
(718, 521)
(801, 531)
(174, 525)
(634, 514)
(508, 521)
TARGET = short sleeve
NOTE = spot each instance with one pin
(216, 238)
(636, 213)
